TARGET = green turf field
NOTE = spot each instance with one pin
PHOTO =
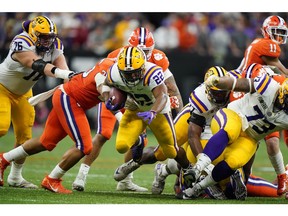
(101, 187)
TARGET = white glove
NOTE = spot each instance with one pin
(212, 81)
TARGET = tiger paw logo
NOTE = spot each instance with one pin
(158, 56)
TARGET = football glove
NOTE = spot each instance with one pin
(174, 102)
(72, 74)
(112, 107)
(147, 116)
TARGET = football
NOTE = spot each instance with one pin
(118, 97)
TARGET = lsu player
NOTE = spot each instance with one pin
(193, 131)
(266, 51)
(67, 117)
(145, 82)
(143, 38)
(34, 53)
(237, 128)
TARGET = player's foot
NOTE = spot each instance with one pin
(239, 187)
(282, 180)
(122, 171)
(215, 192)
(20, 183)
(191, 175)
(79, 182)
(128, 185)
(54, 185)
(159, 179)
(3, 166)
(192, 193)
(137, 148)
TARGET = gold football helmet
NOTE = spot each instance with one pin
(283, 96)
(131, 65)
(43, 32)
(214, 94)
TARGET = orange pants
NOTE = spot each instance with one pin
(259, 187)
(66, 118)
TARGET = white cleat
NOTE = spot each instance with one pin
(21, 183)
(79, 183)
(130, 186)
(122, 171)
(192, 193)
(159, 180)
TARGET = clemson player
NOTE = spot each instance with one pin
(141, 37)
(67, 117)
(266, 51)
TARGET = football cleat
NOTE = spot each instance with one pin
(129, 186)
(54, 185)
(122, 171)
(137, 148)
(191, 175)
(159, 180)
(79, 183)
(3, 166)
(20, 183)
(192, 193)
(215, 192)
(239, 187)
(282, 179)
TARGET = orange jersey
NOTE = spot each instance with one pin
(83, 86)
(158, 57)
(261, 47)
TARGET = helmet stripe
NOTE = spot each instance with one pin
(220, 71)
(128, 57)
(142, 36)
(281, 20)
(51, 24)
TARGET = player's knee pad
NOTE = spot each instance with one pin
(234, 162)
(170, 152)
(121, 146)
(159, 155)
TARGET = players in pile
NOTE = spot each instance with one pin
(141, 37)
(26, 63)
(239, 127)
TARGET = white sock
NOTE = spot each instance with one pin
(278, 163)
(57, 172)
(202, 161)
(15, 154)
(84, 169)
(16, 171)
(207, 181)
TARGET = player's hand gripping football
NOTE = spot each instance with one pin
(113, 107)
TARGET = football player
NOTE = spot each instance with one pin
(67, 117)
(34, 53)
(237, 128)
(266, 51)
(141, 37)
(144, 81)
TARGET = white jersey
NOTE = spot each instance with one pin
(13, 75)
(256, 110)
(142, 92)
(200, 105)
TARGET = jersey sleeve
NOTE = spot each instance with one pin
(264, 83)
(159, 58)
(153, 77)
(22, 43)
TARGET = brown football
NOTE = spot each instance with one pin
(118, 97)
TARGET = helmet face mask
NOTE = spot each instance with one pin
(141, 37)
(131, 65)
(43, 32)
(275, 28)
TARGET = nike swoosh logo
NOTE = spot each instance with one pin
(116, 172)
(52, 188)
